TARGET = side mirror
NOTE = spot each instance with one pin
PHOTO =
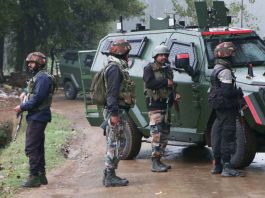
(182, 61)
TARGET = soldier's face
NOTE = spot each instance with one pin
(161, 58)
(32, 66)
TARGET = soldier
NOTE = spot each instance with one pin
(158, 80)
(38, 101)
(120, 98)
(224, 97)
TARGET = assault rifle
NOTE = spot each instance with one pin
(19, 120)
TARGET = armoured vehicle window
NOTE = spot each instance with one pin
(177, 47)
(136, 43)
(89, 60)
(71, 56)
(249, 51)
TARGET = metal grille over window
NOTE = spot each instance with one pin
(137, 44)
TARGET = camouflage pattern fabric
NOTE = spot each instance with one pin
(224, 49)
(36, 57)
(115, 139)
(159, 132)
(120, 47)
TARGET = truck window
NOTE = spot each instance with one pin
(137, 44)
(250, 50)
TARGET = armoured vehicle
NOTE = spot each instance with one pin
(193, 120)
(70, 70)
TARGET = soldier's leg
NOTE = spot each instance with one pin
(155, 132)
(34, 151)
(164, 140)
(113, 153)
(228, 139)
(216, 139)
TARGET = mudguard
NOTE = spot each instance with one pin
(255, 113)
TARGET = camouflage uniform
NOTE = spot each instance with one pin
(158, 101)
(115, 139)
(120, 98)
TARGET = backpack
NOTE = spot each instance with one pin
(98, 87)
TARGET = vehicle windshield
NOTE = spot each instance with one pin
(249, 51)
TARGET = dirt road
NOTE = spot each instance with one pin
(81, 175)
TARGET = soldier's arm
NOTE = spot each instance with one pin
(114, 78)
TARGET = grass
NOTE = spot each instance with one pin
(14, 163)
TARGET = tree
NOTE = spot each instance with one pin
(7, 15)
(235, 7)
(66, 24)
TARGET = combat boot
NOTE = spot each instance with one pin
(104, 177)
(157, 166)
(112, 180)
(228, 171)
(43, 178)
(32, 181)
(164, 165)
(218, 167)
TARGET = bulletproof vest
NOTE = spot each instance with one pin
(160, 73)
(31, 86)
(127, 88)
(216, 97)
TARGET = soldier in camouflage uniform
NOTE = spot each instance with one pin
(223, 98)
(120, 98)
(159, 93)
(38, 99)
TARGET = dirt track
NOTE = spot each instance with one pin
(81, 175)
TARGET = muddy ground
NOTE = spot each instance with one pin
(81, 174)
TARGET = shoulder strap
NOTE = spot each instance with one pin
(214, 76)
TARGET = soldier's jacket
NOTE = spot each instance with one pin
(156, 86)
(39, 97)
(120, 87)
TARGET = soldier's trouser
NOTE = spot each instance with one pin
(159, 131)
(223, 135)
(34, 147)
(115, 136)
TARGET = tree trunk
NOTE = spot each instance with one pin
(2, 78)
(20, 51)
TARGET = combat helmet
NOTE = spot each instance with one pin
(120, 47)
(224, 50)
(160, 49)
(36, 57)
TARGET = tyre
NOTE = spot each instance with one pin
(70, 91)
(133, 141)
(245, 145)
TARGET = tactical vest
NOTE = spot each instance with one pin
(160, 73)
(31, 86)
(216, 97)
(127, 88)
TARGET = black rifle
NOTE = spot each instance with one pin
(19, 120)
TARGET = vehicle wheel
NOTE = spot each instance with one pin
(133, 141)
(70, 91)
(245, 146)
